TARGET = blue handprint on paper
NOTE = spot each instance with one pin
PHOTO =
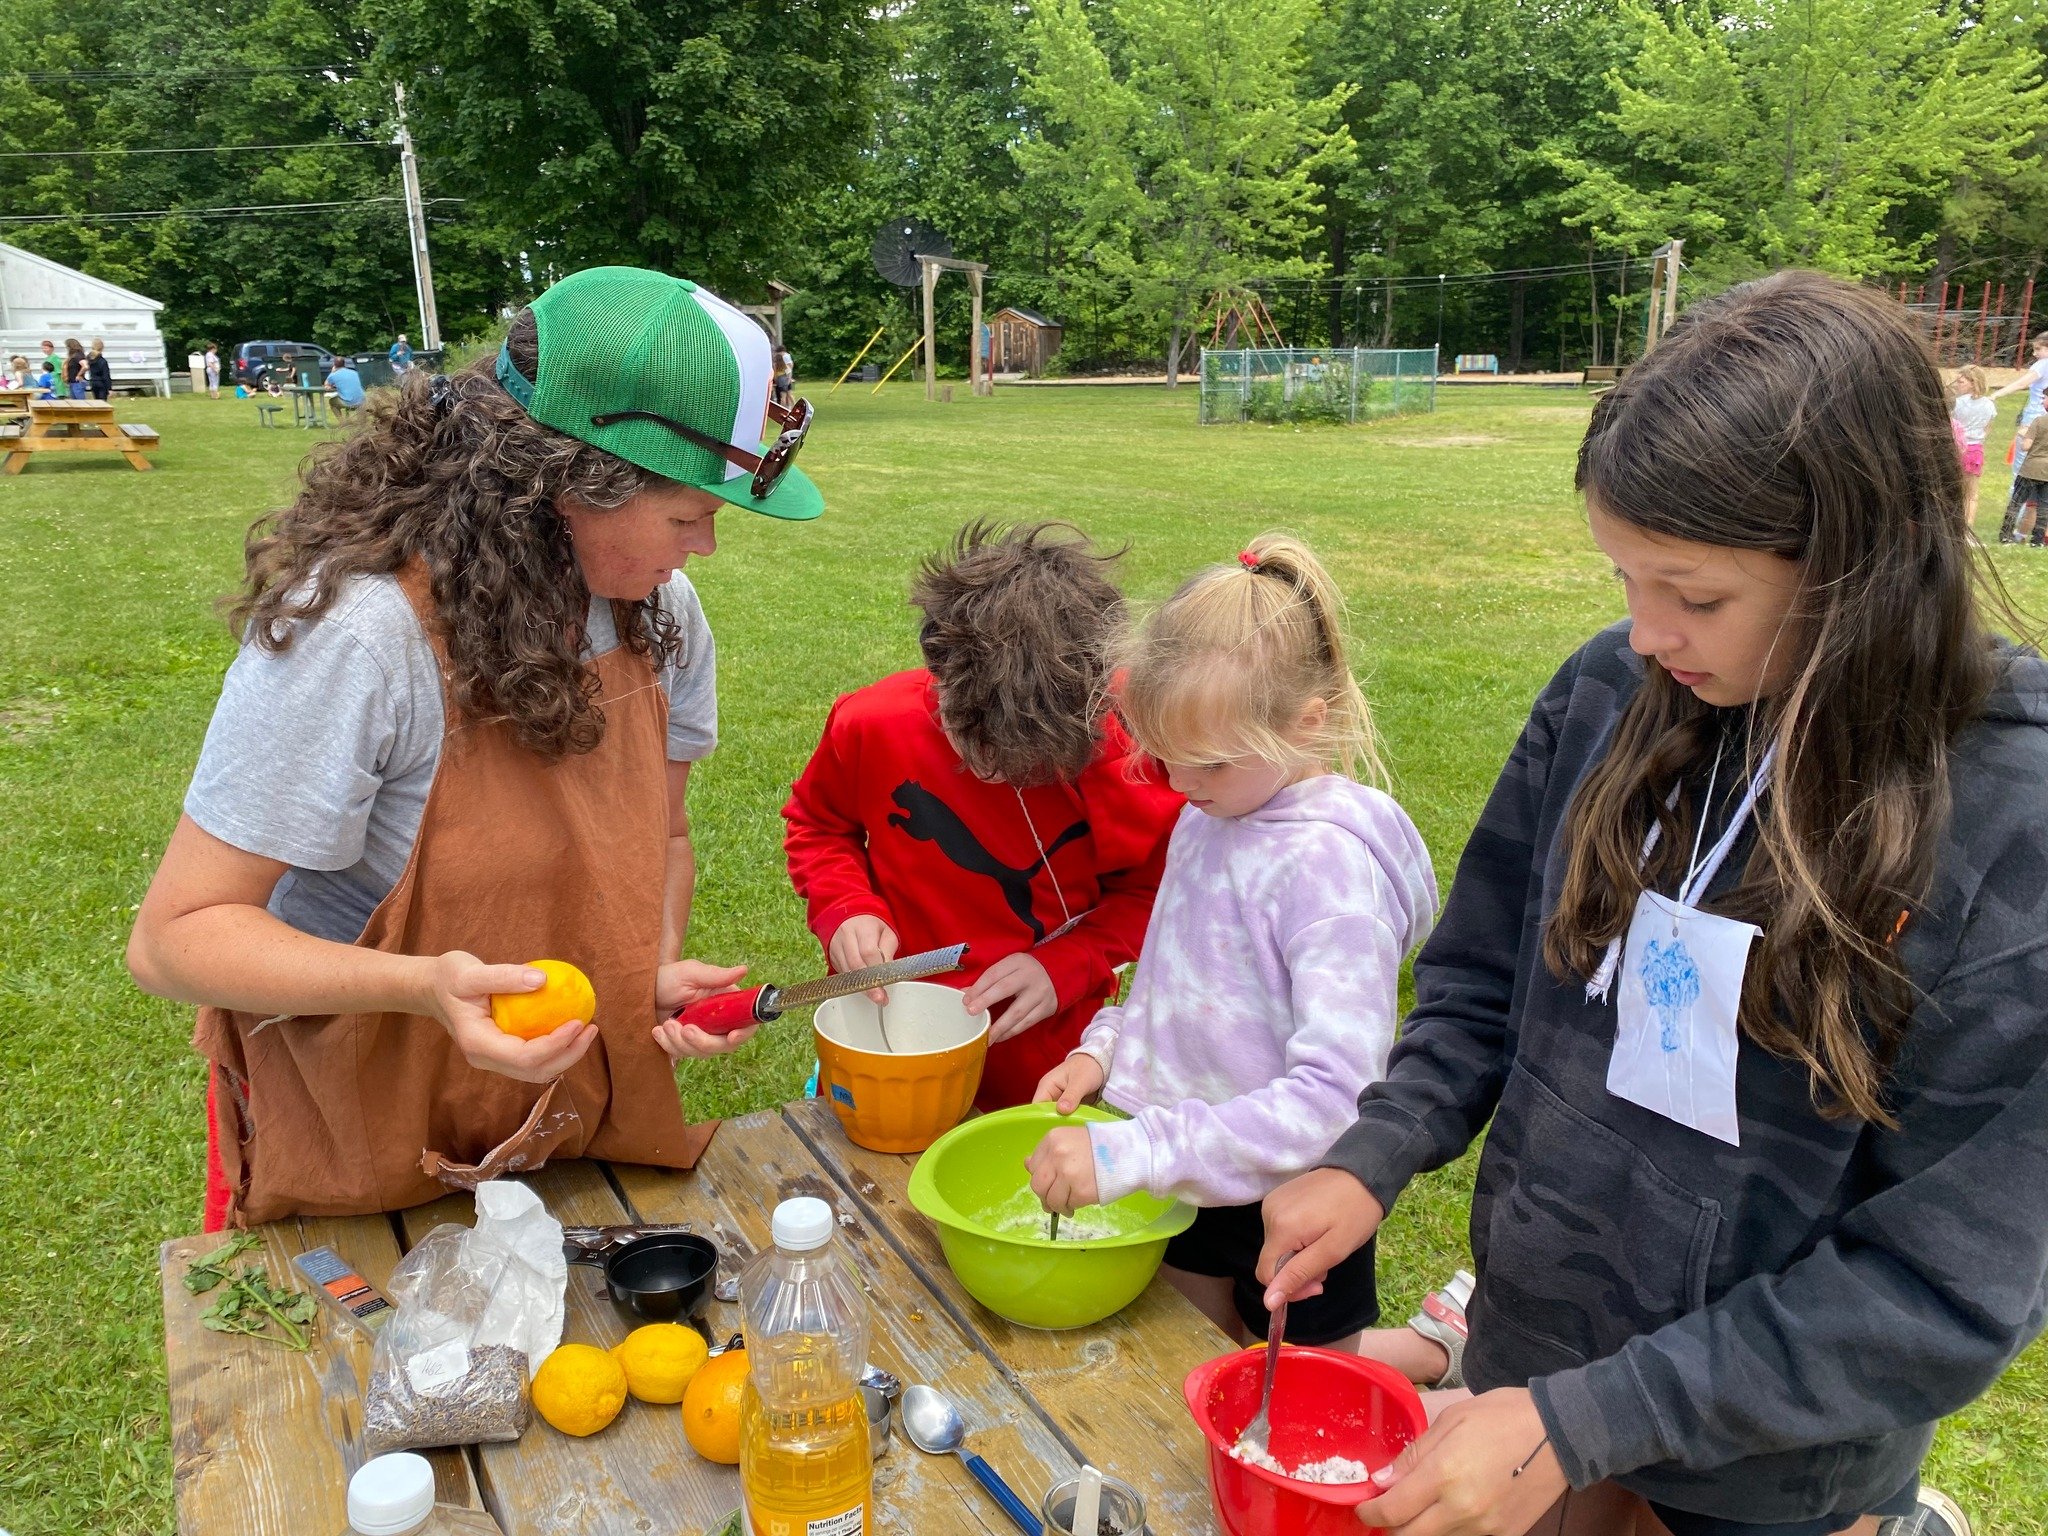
(1671, 985)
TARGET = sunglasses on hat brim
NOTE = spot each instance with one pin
(768, 468)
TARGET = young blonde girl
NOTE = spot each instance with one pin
(1970, 417)
(1265, 995)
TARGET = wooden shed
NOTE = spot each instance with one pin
(1022, 341)
(41, 299)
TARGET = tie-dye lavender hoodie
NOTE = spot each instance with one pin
(1266, 993)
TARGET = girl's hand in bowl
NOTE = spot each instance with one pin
(1062, 1170)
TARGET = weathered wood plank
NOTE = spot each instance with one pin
(637, 1478)
(758, 1161)
(1114, 1390)
(262, 1437)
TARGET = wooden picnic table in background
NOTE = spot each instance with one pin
(261, 1436)
(75, 426)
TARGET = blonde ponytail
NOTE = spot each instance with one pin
(1229, 665)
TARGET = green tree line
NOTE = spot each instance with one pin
(1132, 168)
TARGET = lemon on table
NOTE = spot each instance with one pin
(579, 1389)
(566, 994)
(711, 1407)
(660, 1359)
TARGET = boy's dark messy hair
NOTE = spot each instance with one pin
(1017, 626)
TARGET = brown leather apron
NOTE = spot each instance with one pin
(518, 858)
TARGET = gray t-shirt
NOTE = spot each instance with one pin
(321, 755)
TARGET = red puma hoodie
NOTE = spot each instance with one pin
(886, 820)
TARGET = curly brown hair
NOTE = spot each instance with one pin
(1017, 627)
(452, 472)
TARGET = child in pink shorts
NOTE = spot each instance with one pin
(1970, 418)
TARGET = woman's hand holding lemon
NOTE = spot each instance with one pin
(458, 990)
(681, 983)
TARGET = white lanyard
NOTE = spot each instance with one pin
(1699, 877)
(1045, 863)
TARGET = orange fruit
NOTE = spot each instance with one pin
(579, 1389)
(711, 1407)
(566, 995)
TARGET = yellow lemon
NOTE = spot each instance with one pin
(711, 1407)
(660, 1359)
(579, 1389)
(565, 995)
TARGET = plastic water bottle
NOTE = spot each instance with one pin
(394, 1496)
(804, 1464)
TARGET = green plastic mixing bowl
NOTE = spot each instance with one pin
(972, 1184)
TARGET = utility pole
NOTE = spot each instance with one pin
(416, 227)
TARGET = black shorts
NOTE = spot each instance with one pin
(1225, 1241)
(1679, 1523)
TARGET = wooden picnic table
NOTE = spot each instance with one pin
(260, 1435)
(75, 426)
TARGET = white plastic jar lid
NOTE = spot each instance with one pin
(389, 1495)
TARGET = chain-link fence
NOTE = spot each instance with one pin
(1316, 383)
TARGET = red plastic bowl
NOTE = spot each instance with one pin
(1324, 1404)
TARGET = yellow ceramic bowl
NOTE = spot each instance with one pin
(903, 1095)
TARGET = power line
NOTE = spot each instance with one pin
(197, 149)
(245, 211)
(173, 72)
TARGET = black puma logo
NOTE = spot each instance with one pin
(930, 820)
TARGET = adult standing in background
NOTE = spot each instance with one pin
(212, 371)
(401, 356)
(52, 359)
(74, 369)
(785, 375)
(99, 373)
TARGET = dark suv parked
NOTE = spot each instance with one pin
(253, 359)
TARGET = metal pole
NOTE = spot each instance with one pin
(2019, 351)
(863, 352)
(1983, 314)
(1440, 311)
(416, 228)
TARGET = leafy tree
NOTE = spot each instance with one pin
(694, 136)
(1178, 141)
(1772, 133)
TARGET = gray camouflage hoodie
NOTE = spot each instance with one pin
(1769, 1332)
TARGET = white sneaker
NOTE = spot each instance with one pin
(1936, 1515)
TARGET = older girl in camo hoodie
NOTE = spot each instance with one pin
(1265, 994)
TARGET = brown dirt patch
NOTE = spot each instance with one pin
(1448, 440)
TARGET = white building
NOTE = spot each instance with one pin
(43, 300)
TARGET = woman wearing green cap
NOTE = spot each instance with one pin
(457, 738)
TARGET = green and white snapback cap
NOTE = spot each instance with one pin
(626, 341)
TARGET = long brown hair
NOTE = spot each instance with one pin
(452, 472)
(1017, 623)
(1801, 416)
(1225, 667)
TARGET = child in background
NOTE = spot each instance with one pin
(1267, 993)
(987, 799)
(2023, 508)
(1970, 417)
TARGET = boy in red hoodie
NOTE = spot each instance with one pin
(989, 799)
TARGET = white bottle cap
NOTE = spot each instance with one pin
(390, 1495)
(802, 1224)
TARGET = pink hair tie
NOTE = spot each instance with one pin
(1248, 560)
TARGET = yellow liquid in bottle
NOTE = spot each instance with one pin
(804, 1464)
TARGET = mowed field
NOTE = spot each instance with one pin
(1456, 536)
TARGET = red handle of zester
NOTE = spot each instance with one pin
(724, 1012)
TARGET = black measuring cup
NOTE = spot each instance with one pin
(660, 1277)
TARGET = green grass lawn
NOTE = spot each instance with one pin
(1456, 536)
